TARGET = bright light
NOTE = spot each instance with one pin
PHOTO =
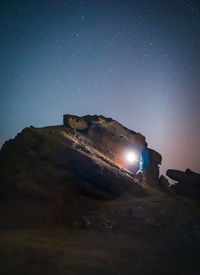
(131, 157)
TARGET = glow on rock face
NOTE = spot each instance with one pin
(131, 157)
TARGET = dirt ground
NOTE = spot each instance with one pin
(65, 251)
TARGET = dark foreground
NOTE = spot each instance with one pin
(70, 205)
(63, 251)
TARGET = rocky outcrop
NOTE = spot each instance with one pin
(48, 162)
(84, 156)
(188, 183)
(151, 162)
(75, 122)
(108, 136)
(114, 140)
(187, 177)
(74, 173)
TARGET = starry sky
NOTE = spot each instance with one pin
(137, 61)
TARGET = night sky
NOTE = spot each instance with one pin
(135, 61)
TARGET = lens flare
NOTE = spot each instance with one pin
(131, 157)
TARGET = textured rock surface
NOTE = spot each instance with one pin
(88, 150)
(188, 183)
(41, 162)
(187, 177)
(64, 191)
(107, 135)
(152, 160)
(75, 122)
(114, 140)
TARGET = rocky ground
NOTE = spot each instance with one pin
(64, 251)
(70, 205)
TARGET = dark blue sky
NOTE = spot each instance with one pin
(135, 61)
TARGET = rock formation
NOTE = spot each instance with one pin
(188, 183)
(152, 160)
(88, 150)
(76, 175)
(74, 179)
(114, 140)
(108, 136)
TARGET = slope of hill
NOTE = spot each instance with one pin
(74, 179)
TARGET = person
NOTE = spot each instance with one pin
(143, 165)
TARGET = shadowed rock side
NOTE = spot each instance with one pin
(164, 185)
(188, 183)
(48, 161)
(150, 169)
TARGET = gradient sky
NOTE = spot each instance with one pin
(135, 61)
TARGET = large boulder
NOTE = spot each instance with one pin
(187, 177)
(150, 165)
(108, 136)
(114, 140)
(85, 155)
(42, 162)
(188, 183)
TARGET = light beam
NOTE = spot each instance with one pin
(131, 157)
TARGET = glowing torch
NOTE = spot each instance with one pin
(132, 157)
